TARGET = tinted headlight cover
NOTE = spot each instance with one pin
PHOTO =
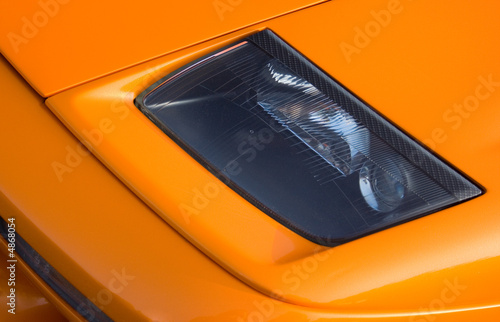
(298, 145)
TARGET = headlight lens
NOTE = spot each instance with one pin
(299, 146)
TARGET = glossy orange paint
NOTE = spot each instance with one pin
(90, 225)
(51, 42)
(354, 276)
(444, 264)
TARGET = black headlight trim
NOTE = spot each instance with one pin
(441, 173)
(386, 130)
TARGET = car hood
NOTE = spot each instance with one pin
(431, 68)
(437, 79)
(58, 44)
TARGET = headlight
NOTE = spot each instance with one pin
(299, 146)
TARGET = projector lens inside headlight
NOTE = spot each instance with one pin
(298, 145)
(382, 187)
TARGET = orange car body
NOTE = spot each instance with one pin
(144, 232)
